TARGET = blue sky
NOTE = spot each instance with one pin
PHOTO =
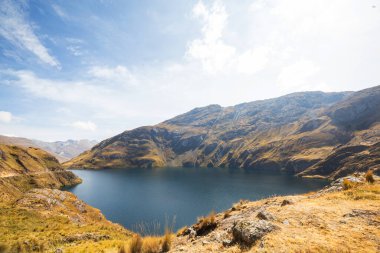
(92, 69)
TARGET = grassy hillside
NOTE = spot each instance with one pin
(335, 219)
(292, 132)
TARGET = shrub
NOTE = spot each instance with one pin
(135, 245)
(369, 177)
(347, 184)
(151, 244)
(167, 240)
(206, 224)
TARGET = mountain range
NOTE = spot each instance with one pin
(62, 150)
(306, 133)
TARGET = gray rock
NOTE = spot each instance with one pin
(248, 232)
(264, 215)
(192, 233)
(286, 202)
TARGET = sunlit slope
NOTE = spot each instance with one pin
(292, 132)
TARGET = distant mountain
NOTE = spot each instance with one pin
(62, 150)
(298, 133)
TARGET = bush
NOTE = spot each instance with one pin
(347, 184)
(206, 224)
(167, 240)
(369, 177)
(135, 245)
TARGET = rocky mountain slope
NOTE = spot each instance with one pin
(331, 220)
(62, 150)
(293, 133)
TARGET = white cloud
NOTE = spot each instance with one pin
(253, 60)
(244, 52)
(15, 28)
(119, 73)
(5, 117)
(297, 75)
(211, 50)
(84, 125)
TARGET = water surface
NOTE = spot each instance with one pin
(135, 196)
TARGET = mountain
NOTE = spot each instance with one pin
(62, 150)
(293, 133)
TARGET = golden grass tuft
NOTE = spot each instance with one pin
(182, 230)
(148, 244)
(347, 184)
(369, 177)
(206, 224)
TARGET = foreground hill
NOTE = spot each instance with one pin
(22, 169)
(37, 217)
(293, 132)
(331, 220)
(62, 150)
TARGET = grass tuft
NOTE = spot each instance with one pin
(347, 184)
(369, 177)
(206, 224)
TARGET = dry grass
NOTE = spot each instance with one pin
(343, 221)
(148, 244)
(182, 230)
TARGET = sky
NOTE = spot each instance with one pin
(92, 69)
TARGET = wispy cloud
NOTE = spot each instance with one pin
(17, 30)
(84, 125)
(59, 11)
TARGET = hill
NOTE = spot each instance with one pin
(62, 150)
(293, 133)
(331, 220)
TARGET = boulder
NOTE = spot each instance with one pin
(248, 232)
(264, 215)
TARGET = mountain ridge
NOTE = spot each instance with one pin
(62, 150)
(292, 133)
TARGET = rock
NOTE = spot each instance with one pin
(362, 213)
(264, 215)
(248, 232)
(285, 222)
(227, 242)
(58, 251)
(286, 202)
(192, 233)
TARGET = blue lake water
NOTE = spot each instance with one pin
(154, 196)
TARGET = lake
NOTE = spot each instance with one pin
(138, 196)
